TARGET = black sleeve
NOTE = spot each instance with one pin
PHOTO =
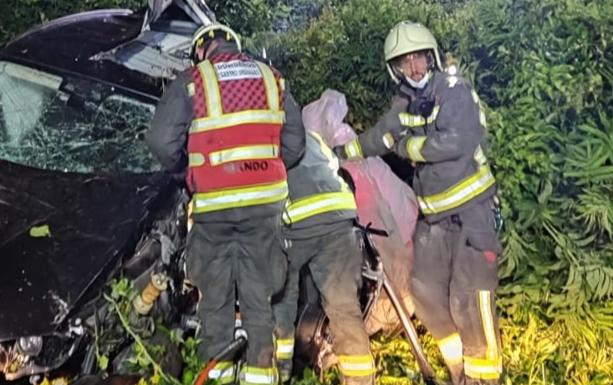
(458, 130)
(371, 142)
(167, 136)
(293, 135)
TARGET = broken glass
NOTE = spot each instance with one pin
(71, 124)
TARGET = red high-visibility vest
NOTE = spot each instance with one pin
(234, 140)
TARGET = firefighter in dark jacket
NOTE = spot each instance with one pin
(320, 227)
(436, 122)
(233, 125)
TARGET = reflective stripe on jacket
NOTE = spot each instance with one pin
(234, 139)
(445, 144)
(316, 191)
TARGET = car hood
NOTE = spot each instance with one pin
(59, 232)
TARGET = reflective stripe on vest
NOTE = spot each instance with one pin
(260, 151)
(410, 120)
(459, 193)
(317, 204)
(356, 365)
(216, 119)
(485, 369)
(240, 197)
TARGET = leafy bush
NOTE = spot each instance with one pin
(544, 70)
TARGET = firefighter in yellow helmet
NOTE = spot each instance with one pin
(436, 122)
(233, 128)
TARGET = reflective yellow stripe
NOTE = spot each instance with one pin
(353, 149)
(211, 89)
(479, 156)
(272, 92)
(285, 348)
(237, 118)
(216, 119)
(458, 194)
(477, 368)
(260, 151)
(356, 366)
(451, 348)
(388, 140)
(487, 321)
(323, 146)
(195, 159)
(191, 89)
(414, 146)
(410, 120)
(318, 204)
(482, 120)
(251, 375)
(223, 372)
(240, 197)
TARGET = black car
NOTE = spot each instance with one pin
(81, 199)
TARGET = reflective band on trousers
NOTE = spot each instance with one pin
(410, 120)
(356, 366)
(487, 321)
(458, 194)
(482, 368)
(451, 348)
(217, 119)
(251, 375)
(259, 151)
(240, 197)
(318, 204)
(285, 348)
(223, 372)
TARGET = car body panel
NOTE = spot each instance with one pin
(58, 233)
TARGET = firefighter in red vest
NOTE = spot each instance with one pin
(231, 122)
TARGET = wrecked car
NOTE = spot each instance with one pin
(82, 201)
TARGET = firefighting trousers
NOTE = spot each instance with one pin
(453, 282)
(334, 261)
(229, 260)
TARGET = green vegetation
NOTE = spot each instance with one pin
(544, 71)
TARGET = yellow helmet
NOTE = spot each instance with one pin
(406, 37)
(209, 32)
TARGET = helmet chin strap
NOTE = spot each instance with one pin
(420, 84)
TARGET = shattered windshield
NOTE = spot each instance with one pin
(71, 124)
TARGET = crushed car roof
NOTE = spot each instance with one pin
(67, 44)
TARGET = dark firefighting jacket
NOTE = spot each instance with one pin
(318, 197)
(184, 112)
(441, 129)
